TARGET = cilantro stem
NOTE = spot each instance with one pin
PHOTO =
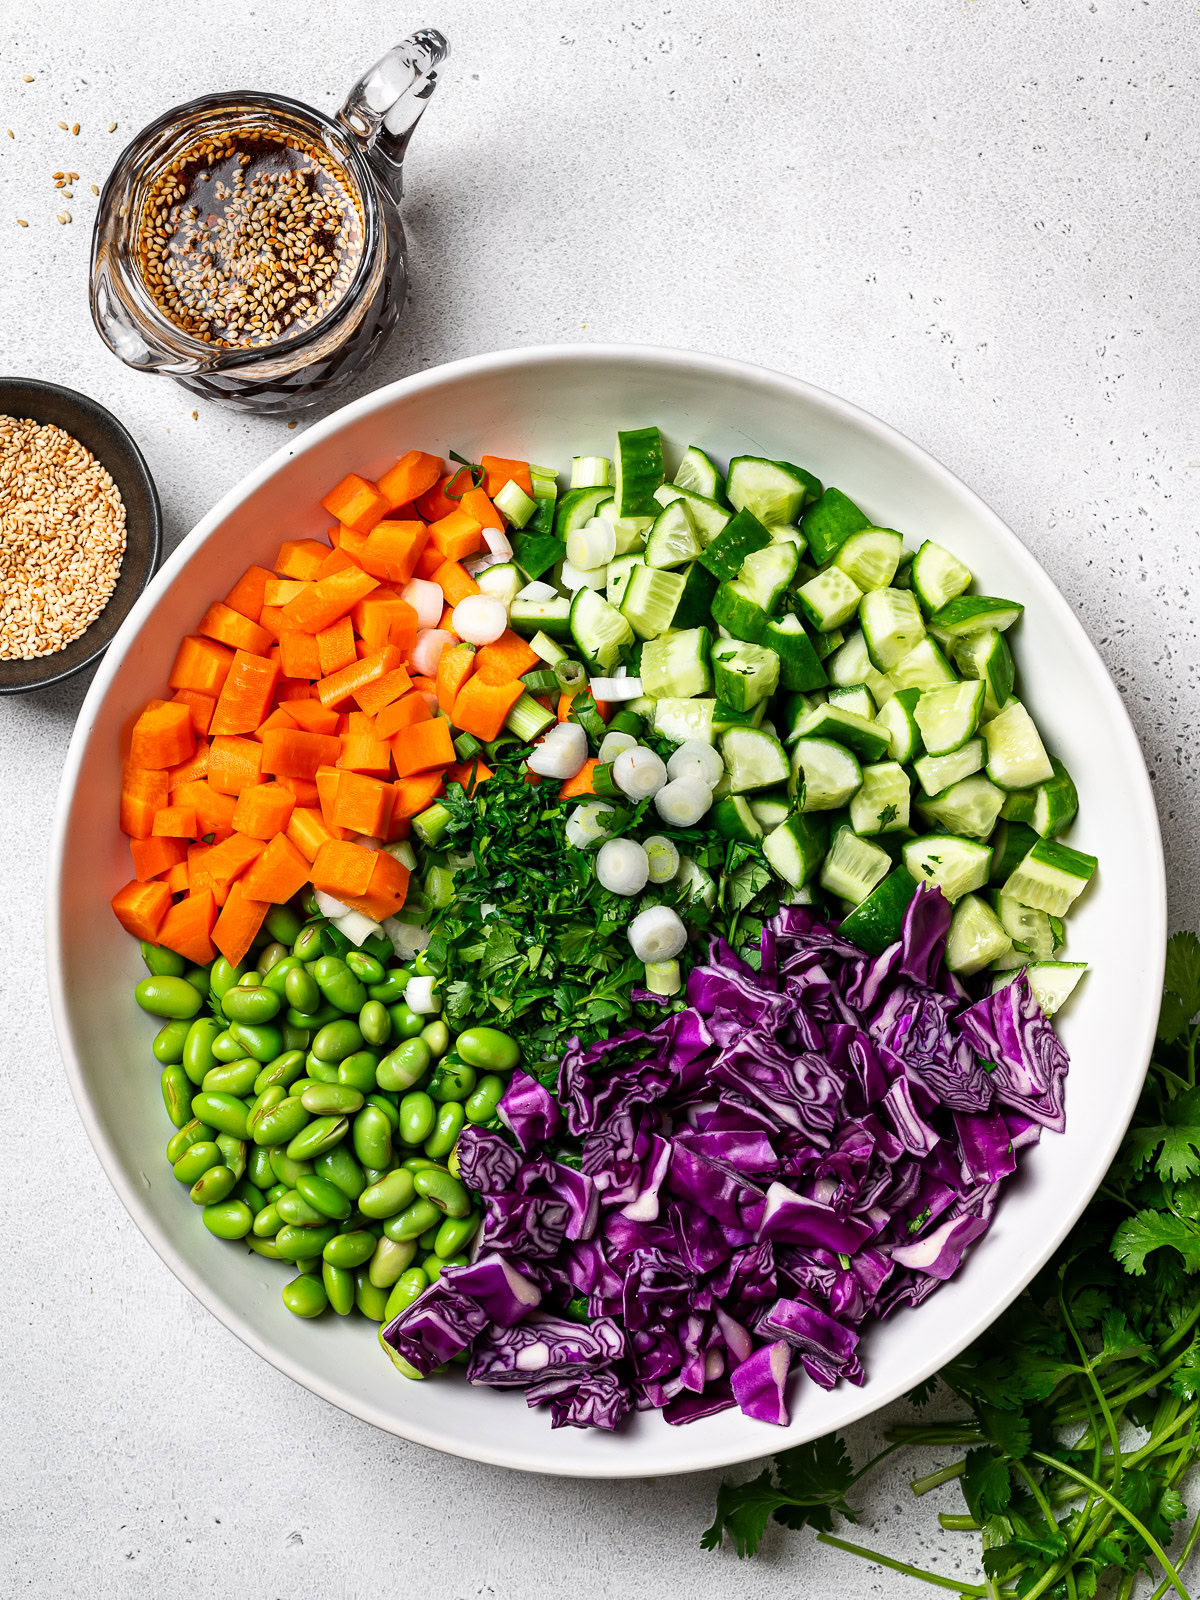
(1110, 1424)
(869, 1466)
(958, 1522)
(1182, 1329)
(1072, 1413)
(1189, 1545)
(1035, 1490)
(934, 1480)
(936, 1433)
(954, 1584)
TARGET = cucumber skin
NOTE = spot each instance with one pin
(830, 522)
(875, 924)
(740, 535)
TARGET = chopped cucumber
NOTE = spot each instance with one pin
(1012, 843)
(829, 599)
(775, 491)
(972, 613)
(754, 759)
(794, 850)
(876, 922)
(881, 804)
(674, 540)
(744, 606)
(650, 598)
(828, 524)
(744, 674)
(676, 664)
(695, 603)
(870, 558)
(851, 663)
(986, 656)
(599, 630)
(896, 718)
(680, 720)
(970, 807)
(1049, 808)
(733, 819)
(1052, 982)
(799, 665)
(577, 507)
(551, 617)
(617, 575)
(791, 712)
(1051, 877)
(740, 535)
(697, 473)
(1030, 932)
(956, 866)
(866, 739)
(639, 471)
(724, 716)
(936, 773)
(948, 717)
(695, 884)
(535, 552)
(976, 937)
(501, 581)
(708, 515)
(770, 808)
(630, 531)
(1017, 757)
(892, 625)
(853, 866)
(857, 699)
(824, 775)
(938, 577)
(924, 667)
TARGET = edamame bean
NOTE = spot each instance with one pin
(305, 1296)
(234, 1152)
(275, 978)
(387, 1196)
(374, 1023)
(285, 1069)
(225, 1047)
(388, 1104)
(264, 1247)
(350, 1250)
(251, 1195)
(295, 1038)
(232, 1077)
(222, 1111)
(337, 1040)
(228, 1219)
(413, 1221)
(488, 1049)
(455, 1234)
(192, 1132)
(258, 1039)
(320, 1071)
(283, 924)
(342, 1170)
(168, 1043)
(168, 997)
(331, 1099)
(434, 1266)
(275, 1189)
(176, 1092)
(391, 987)
(453, 1080)
(371, 1302)
(195, 1162)
(446, 1193)
(364, 967)
(161, 962)
(406, 1023)
(285, 1169)
(372, 1137)
(446, 1129)
(295, 1209)
(324, 1197)
(307, 944)
(309, 1264)
(268, 1222)
(408, 1286)
(417, 1163)
(197, 1054)
(358, 1071)
(417, 1114)
(214, 1185)
(339, 985)
(481, 1105)
(405, 1066)
(318, 1136)
(274, 1121)
(300, 1244)
(339, 1286)
(425, 1242)
(222, 977)
(270, 956)
(437, 1036)
(258, 1167)
(391, 1258)
(251, 1004)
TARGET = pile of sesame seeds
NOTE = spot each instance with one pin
(250, 237)
(62, 538)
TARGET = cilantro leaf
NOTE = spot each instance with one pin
(986, 1485)
(1008, 1430)
(1173, 1144)
(1173, 1018)
(1182, 975)
(743, 1511)
(1155, 1230)
(922, 1393)
(815, 1477)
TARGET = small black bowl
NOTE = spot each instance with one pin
(114, 448)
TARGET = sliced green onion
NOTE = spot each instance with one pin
(588, 472)
(541, 680)
(430, 824)
(527, 720)
(514, 504)
(663, 977)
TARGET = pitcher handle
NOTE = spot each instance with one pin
(386, 103)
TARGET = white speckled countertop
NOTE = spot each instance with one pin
(973, 217)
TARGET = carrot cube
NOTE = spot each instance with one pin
(313, 716)
(278, 873)
(200, 708)
(342, 869)
(175, 822)
(328, 599)
(422, 746)
(143, 794)
(162, 736)
(237, 926)
(299, 653)
(402, 713)
(362, 804)
(308, 830)
(357, 502)
(229, 627)
(298, 754)
(455, 582)
(506, 658)
(156, 855)
(200, 664)
(339, 687)
(263, 811)
(302, 790)
(234, 764)
(374, 696)
(456, 536)
(141, 907)
(498, 470)
(414, 794)
(393, 549)
(481, 708)
(214, 810)
(412, 475)
(247, 694)
(300, 558)
(335, 647)
(248, 594)
(187, 927)
(279, 591)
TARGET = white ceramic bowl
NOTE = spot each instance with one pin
(547, 405)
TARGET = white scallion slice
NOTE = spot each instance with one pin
(657, 934)
(621, 866)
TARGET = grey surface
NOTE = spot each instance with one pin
(973, 217)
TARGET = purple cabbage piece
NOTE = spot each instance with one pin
(504, 1294)
(791, 1219)
(939, 1253)
(828, 1349)
(923, 934)
(486, 1162)
(801, 1091)
(595, 1400)
(526, 1225)
(687, 1407)
(986, 1146)
(645, 1206)
(440, 1323)
(758, 1384)
(912, 1131)
(1009, 1029)
(543, 1347)
(529, 1110)
(747, 1149)
(716, 1188)
(575, 1189)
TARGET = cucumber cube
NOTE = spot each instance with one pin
(1017, 757)
(794, 850)
(956, 866)
(828, 524)
(949, 716)
(680, 720)
(924, 667)
(870, 558)
(650, 597)
(1051, 877)
(877, 921)
(892, 625)
(744, 674)
(725, 555)
(937, 576)
(976, 937)
(970, 807)
(882, 802)
(986, 656)
(799, 666)
(677, 664)
(829, 599)
(853, 866)
(972, 613)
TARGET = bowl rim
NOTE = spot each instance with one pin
(620, 1464)
(124, 438)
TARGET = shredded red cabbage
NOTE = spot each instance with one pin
(744, 1185)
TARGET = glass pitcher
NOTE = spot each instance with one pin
(251, 247)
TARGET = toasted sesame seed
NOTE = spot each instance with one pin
(112, 127)
(10, 133)
(27, 77)
(93, 188)
(21, 223)
(64, 127)
(75, 128)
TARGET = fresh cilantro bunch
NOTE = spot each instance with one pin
(1079, 1409)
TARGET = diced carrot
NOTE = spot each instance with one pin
(156, 855)
(476, 504)
(581, 783)
(498, 470)
(271, 618)
(328, 599)
(300, 558)
(278, 591)
(398, 828)
(470, 774)
(351, 544)
(200, 706)
(456, 536)
(227, 861)
(237, 926)
(426, 687)
(175, 822)
(362, 749)
(279, 873)
(357, 502)
(298, 755)
(454, 668)
(362, 804)
(299, 653)
(313, 716)
(326, 781)
(454, 582)
(289, 689)
(412, 475)
(375, 696)
(248, 594)
(247, 694)
(481, 708)
(196, 854)
(393, 550)
(141, 907)
(342, 869)
(178, 879)
(281, 717)
(338, 560)
(415, 793)
(303, 790)
(506, 658)
(188, 927)
(162, 736)
(335, 647)
(231, 628)
(339, 687)
(214, 810)
(428, 562)
(200, 664)
(446, 620)
(308, 831)
(143, 793)
(422, 746)
(400, 714)
(263, 811)
(435, 502)
(235, 763)
(386, 890)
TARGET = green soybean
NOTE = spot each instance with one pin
(307, 944)
(197, 1054)
(161, 962)
(350, 1250)
(295, 1209)
(275, 977)
(426, 1241)
(391, 1257)
(222, 1111)
(213, 1185)
(358, 1071)
(419, 1163)
(168, 997)
(374, 1023)
(198, 978)
(437, 1036)
(488, 1049)
(250, 1194)
(364, 966)
(176, 1089)
(283, 924)
(445, 1192)
(320, 1071)
(339, 1286)
(169, 1041)
(318, 1136)
(455, 1234)
(339, 985)
(417, 1115)
(284, 1070)
(251, 1004)
(331, 1099)
(453, 1080)
(285, 1169)
(372, 1137)
(275, 1188)
(337, 1040)
(196, 1161)
(264, 1247)
(342, 1170)
(406, 1023)
(302, 1244)
(324, 1197)
(268, 1222)
(408, 1286)
(295, 1038)
(389, 1105)
(225, 1047)
(222, 977)
(390, 989)
(234, 1152)
(192, 1132)
(387, 1196)
(263, 1126)
(405, 1066)
(481, 1105)
(371, 1302)
(446, 1129)
(412, 1221)
(270, 956)
(258, 1167)
(232, 1077)
(228, 1219)
(305, 1296)
(258, 1039)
